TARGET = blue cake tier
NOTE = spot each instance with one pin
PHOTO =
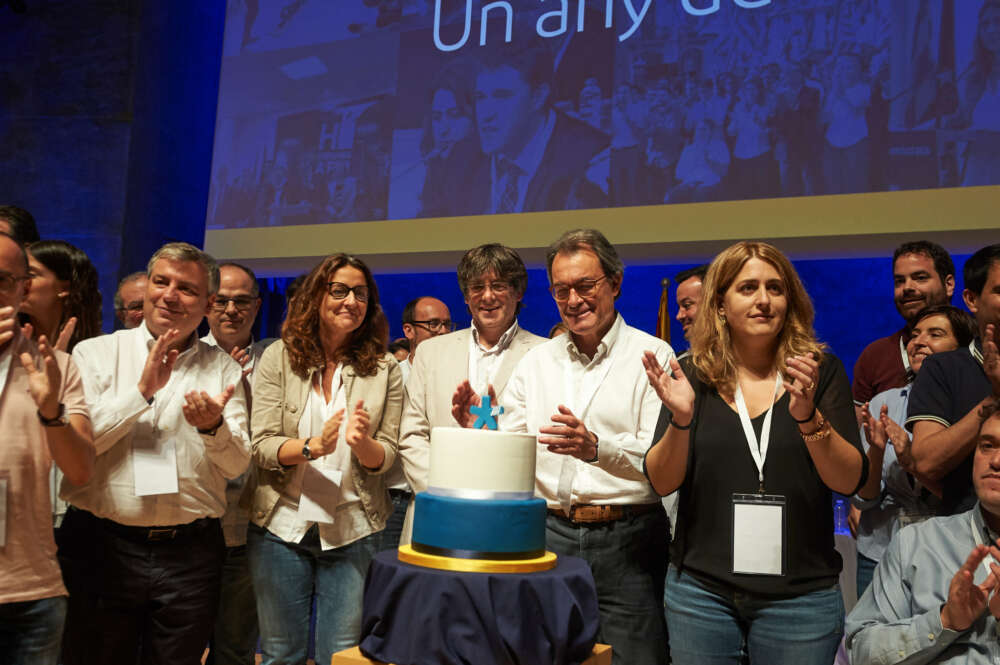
(479, 529)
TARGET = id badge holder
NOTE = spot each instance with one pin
(759, 534)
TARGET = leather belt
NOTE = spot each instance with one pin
(594, 514)
(153, 533)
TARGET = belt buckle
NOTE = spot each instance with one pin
(161, 534)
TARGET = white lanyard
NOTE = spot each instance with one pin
(758, 450)
(975, 352)
(979, 541)
(906, 359)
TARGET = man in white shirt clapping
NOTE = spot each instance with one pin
(142, 547)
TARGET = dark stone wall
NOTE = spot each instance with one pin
(107, 112)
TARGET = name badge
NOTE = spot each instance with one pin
(320, 493)
(759, 534)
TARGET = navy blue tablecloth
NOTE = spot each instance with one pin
(423, 616)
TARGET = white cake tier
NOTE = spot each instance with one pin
(479, 463)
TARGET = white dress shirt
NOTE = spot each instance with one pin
(111, 366)
(350, 523)
(609, 394)
(483, 362)
(236, 519)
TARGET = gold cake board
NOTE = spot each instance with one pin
(409, 555)
(601, 655)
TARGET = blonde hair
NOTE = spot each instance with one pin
(711, 345)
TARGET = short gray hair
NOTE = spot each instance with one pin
(586, 239)
(254, 286)
(127, 279)
(182, 251)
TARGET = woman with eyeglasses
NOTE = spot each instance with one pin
(327, 403)
(756, 431)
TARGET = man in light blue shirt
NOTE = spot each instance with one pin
(935, 597)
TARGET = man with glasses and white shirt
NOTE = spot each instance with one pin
(584, 394)
(474, 360)
(141, 546)
(230, 321)
(423, 318)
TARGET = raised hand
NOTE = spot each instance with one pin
(326, 443)
(242, 357)
(991, 357)
(874, 428)
(357, 425)
(44, 382)
(800, 384)
(967, 600)
(159, 364)
(900, 440)
(568, 436)
(65, 334)
(671, 387)
(8, 325)
(205, 412)
(464, 398)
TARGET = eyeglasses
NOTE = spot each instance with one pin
(583, 288)
(134, 306)
(339, 291)
(498, 286)
(436, 325)
(241, 303)
(9, 282)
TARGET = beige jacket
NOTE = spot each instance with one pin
(280, 396)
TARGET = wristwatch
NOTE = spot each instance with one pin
(597, 454)
(59, 421)
(305, 450)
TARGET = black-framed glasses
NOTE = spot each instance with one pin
(134, 306)
(339, 291)
(583, 288)
(9, 282)
(241, 303)
(497, 286)
(436, 325)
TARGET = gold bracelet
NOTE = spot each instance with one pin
(819, 433)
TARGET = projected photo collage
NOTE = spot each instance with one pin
(368, 110)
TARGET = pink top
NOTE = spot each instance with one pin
(28, 566)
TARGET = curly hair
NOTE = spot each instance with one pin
(711, 344)
(301, 329)
(71, 265)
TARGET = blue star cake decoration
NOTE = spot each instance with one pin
(486, 415)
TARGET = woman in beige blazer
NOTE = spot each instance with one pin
(327, 402)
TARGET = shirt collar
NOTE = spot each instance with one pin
(501, 344)
(988, 535)
(531, 155)
(211, 341)
(604, 346)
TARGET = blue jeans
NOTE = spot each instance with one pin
(388, 538)
(287, 576)
(712, 624)
(865, 572)
(628, 559)
(234, 641)
(31, 631)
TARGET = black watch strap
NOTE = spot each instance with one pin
(59, 421)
